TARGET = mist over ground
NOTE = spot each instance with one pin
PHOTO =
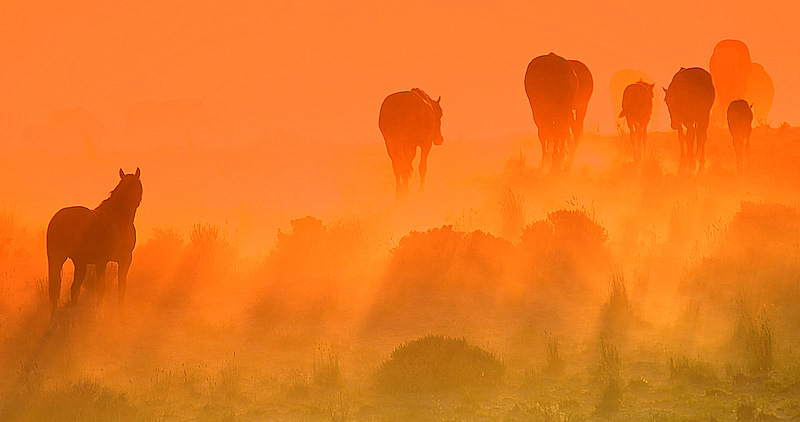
(281, 287)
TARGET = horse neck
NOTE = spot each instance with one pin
(116, 211)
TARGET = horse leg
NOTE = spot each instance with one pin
(122, 270)
(701, 134)
(643, 147)
(691, 152)
(398, 177)
(632, 130)
(682, 142)
(747, 151)
(423, 166)
(54, 265)
(79, 276)
(544, 134)
(100, 285)
(737, 147)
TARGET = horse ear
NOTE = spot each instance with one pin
(138, 172)
(439, 100)
(121, 174)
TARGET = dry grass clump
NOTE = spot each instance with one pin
(438, 363)
(759, 228)
(512, 210)
(326, 373)
(84, 400)
(753, 334)
(555, 360)
(617, 311)
(610, 377)
(695, 371)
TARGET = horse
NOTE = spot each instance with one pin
(689, 99)
(94, 237)
(730, 66)
(407, 120)
(637, 109)
(585, 88)
(551, 86)
(740, 124)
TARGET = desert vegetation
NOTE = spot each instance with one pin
(612, 292)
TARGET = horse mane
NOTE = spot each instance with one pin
(120, 201)
(425, 97)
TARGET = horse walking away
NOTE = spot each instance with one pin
(637, 108)
(409, 120)
(94, 237)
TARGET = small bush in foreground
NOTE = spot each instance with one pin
(438, 363)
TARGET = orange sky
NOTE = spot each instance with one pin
(319, 70)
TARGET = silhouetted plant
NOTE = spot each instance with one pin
(617, 312)
(326, 367)
(609, 370)
(754, 333)
(512, 209)
(555, 362)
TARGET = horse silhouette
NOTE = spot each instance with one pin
(97, 237)
(620, 80)
(584, 94)
(760, 92)
(740, 123)
(407, 120)
(637, 108)
(551, 86)
(689, 99)
(730, 66)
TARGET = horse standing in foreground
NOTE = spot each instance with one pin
(740, 123)
(689, 99)
(407, 120)
(637, 108)
(551, 86)
(97, 237)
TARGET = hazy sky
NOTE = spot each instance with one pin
(319, 70)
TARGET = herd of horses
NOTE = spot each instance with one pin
(558, 91)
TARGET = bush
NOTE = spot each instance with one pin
(443, 260)
(438, 363)
(564, 250)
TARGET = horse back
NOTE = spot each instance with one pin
(68, 229)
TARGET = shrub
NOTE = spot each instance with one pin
(565, 249)
(438, 363)
(445, 260)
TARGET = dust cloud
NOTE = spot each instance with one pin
(272, 292)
